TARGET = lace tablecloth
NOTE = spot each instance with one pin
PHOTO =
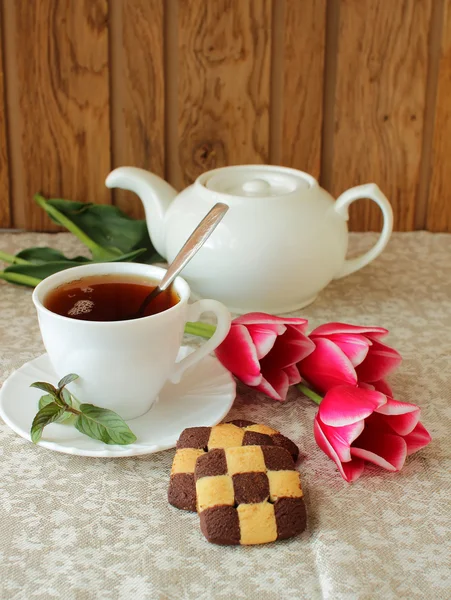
(101, 529)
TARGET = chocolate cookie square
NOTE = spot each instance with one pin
(182, 492)
(249, 495)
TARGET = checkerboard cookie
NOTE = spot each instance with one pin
(249, 495)
(196, 441)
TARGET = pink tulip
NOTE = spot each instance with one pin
(348, 354)
(262, 351)
(354, 425)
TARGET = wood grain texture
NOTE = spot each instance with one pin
(63, 92)
(439, 202)
(223, 96)
(379, 104)
(137, 92)
(5, 213)
(302, 92)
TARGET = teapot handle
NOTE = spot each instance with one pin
(341, 206)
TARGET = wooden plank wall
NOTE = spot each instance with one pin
(57, 89)
(348, 90)
(137, 91)
(5, 211)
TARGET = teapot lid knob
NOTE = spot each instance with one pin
(256, 181)
(256, 186)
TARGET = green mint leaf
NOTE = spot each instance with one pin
(66, 395)
(44, 400)
(45, 387)
(58, 400)
(53, 396)
(66, 416)
(48, 414)
(66, 380)
(104, 425)
(70, 399)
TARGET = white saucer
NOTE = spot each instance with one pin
(203, 397)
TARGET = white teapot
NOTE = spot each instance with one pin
(282, 241)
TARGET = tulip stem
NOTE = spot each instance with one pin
(309, 393)
(204, 330)
(14, 260)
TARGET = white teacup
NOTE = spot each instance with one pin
(123, 365)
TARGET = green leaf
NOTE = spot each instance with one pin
(66, 416)
(43, 270)
(70, 399)
(46, 415)
(46, 387)
(105, 229)
(107, 232)
(66, 380)
(67, 397)
(44, 400)
(130, 256)
(52, 391)
(39, 256)
(40, 271)
(104, 425)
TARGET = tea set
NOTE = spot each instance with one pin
(281, 241)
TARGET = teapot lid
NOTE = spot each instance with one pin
(257, 181)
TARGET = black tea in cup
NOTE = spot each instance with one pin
(107, 298)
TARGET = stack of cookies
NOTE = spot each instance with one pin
(241, 479)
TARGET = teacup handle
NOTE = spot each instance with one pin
(341, 206)
(224, 320)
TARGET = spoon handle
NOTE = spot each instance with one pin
(194, 242)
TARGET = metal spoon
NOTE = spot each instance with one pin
(192, 245)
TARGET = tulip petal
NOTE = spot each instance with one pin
(354, 346)
(341, 438)
(402, 417)
(257, 318)
(395, 407)
(333, 328)
(278, 328)
(385, 450)
(366, 386)
(274, 384)
(383, 387)
(237, 353)
(293, 375)
(327, 366)
(263, 339)
(403, 424)
(350, 471)
(417, 439)
(289, 348)
(344, 405)
(380, 361)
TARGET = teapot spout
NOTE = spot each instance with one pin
(155, 194)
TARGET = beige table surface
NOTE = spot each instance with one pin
(81, 528)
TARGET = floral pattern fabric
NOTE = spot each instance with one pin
(101, 529)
